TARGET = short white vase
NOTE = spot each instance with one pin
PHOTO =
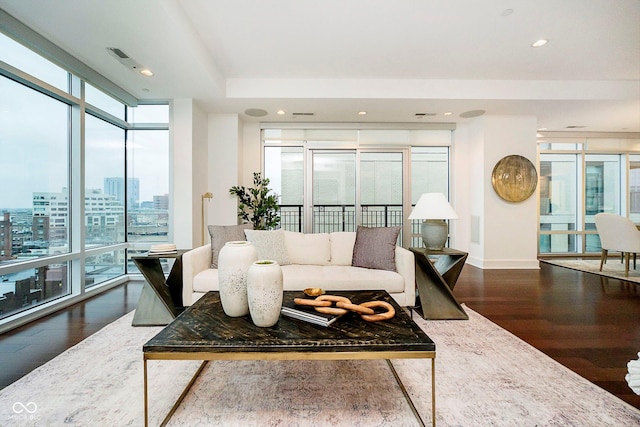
(234, 261)
(264, 290)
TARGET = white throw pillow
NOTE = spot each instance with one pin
(309, 249)
(269, 244)
(342, 243)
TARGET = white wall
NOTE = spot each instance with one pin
(251, 152)
(182, 145)
(187, 143)
(225, 167)
(460, 157)
(501, 234)
(200, 169)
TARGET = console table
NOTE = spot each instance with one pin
(436, 275)
(161, 300)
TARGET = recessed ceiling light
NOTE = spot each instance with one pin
(542, 129)
(255, 112)
(146, 72)
(448, 113)
(280, 112)
(539, 43)
(362, 113)
(472, 113)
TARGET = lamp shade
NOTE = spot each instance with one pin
(433, 206)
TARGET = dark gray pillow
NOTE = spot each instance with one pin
(375, 247)
(221, 234)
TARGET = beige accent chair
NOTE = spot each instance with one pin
(617, 233)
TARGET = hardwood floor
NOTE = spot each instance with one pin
(25, 348)
(587, 323)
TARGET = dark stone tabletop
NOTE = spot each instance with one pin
(204, 327)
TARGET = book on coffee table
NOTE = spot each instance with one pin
(306, 313)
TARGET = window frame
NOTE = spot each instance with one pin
(76, 257)
(584, 147)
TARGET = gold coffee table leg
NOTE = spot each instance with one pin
(433, 391)
(146, 408)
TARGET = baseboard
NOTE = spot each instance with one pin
(506, 264)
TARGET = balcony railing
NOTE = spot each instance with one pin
(331, 218)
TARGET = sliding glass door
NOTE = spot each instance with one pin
(356, 187)
(333, 191)
(381, 188)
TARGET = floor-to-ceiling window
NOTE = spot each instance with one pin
(69, 204)
(336, 179)
(579, 178)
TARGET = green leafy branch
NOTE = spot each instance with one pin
(256, 205)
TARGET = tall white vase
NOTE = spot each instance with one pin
(234, 261)
(264, 290)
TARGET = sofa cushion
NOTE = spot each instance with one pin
(342, 247)
(269, 244)
(221, 234)
(340, 278)
(375, 247)
(206, 280)
(310, 248)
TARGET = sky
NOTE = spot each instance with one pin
(34, 148)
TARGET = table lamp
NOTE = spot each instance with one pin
(433, 208)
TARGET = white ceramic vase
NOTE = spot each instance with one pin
(264, 290)
(234, 261)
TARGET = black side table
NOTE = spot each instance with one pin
(436, 275)
(161, 300)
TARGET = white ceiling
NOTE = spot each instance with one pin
(392, 59)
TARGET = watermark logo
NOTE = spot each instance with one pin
(20, 408)
(24, 411)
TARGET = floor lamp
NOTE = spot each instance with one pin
(207, 196)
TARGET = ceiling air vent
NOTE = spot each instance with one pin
(302, 114)
(124, 59)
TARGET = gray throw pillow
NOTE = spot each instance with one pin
(269, 244)
(375, 247)
(221, 234)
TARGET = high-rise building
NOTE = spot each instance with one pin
(5, 237)
(50, 215)
(104, 215)
(161, 202)
(114, 186)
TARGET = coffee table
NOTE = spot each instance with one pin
(204, 332)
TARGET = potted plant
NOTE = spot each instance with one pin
(256, 205)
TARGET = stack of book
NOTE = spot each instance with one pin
(305, 312)
(163, 248)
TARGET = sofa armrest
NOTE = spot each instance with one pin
(405, 265)
(193, 262)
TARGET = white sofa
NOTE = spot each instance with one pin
(320, 260)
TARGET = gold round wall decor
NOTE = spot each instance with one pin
(514, 178)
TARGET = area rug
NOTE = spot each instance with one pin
(613, 268)
(485, 376)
